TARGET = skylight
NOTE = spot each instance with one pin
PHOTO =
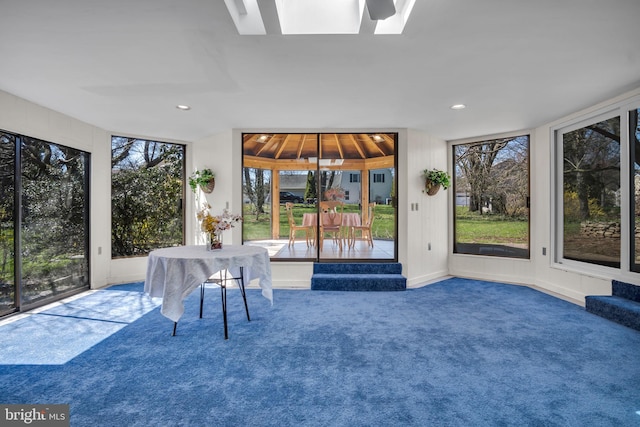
(297, 17)
(320, 16)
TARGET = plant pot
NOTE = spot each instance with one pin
(208, 188)
(431, 189)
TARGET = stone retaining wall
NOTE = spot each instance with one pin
(600, 229)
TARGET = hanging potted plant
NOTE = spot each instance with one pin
(434, 179)
(205, 179)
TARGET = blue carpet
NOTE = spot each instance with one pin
(59, 334)
(456, 353)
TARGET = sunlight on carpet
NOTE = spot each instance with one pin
(58, 334)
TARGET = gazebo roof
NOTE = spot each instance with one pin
(288, 151)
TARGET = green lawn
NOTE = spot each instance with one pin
(470, 227)
(383, 224)
(493, 229)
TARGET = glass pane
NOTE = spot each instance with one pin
(634, 140)
(55, 220)
(147, 188)
(7, 254)
(279, 193)
(256, 210)
(591, 194)
(358, 170)
(491, 184)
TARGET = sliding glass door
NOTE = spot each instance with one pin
(44, 240)
(287, 178)
(8, 294)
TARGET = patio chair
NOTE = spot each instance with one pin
(293, 227)
(365, 229)
(331, 221)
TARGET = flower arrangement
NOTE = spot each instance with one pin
(334, 193)
(204, 178)
(216, 224)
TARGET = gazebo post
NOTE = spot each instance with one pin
(275, 204)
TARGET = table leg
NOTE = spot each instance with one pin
(244, 294)
(201, 297)
(223, 294)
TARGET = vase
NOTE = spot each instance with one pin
(214, 241)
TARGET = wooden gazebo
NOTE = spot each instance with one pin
(318, 151)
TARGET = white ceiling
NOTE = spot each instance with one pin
(124, 65)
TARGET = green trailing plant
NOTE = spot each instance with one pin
(434, 179)
(201, 178)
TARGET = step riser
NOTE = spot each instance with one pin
(626, 290)
(359, 285)
(357, 268)
(624, 312)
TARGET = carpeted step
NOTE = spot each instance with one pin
(622, 307)
(626, 290)
(358, 282)
(385, 276)
(358, 268)
(618, 309)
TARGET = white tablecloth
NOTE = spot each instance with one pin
(173, 273)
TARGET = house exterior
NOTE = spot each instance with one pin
(380, 185)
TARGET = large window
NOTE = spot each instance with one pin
(357, 171)
(7, 222)
(44, 238)
(491, 184)
(591, 197)
(147, 187)
(634, 143)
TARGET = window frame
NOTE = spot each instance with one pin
(184, 189)
(451, 161)
(20, 217)
(557, 259)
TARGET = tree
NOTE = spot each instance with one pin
(147, 189)
(256, 188)
(311, 190)
(474, 162)
(326, 180)
(495, 174)
(592, 164)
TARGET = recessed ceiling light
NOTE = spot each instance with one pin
(458, 107)
(183, 107)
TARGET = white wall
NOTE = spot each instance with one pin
(423, 219)
(223, 154)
